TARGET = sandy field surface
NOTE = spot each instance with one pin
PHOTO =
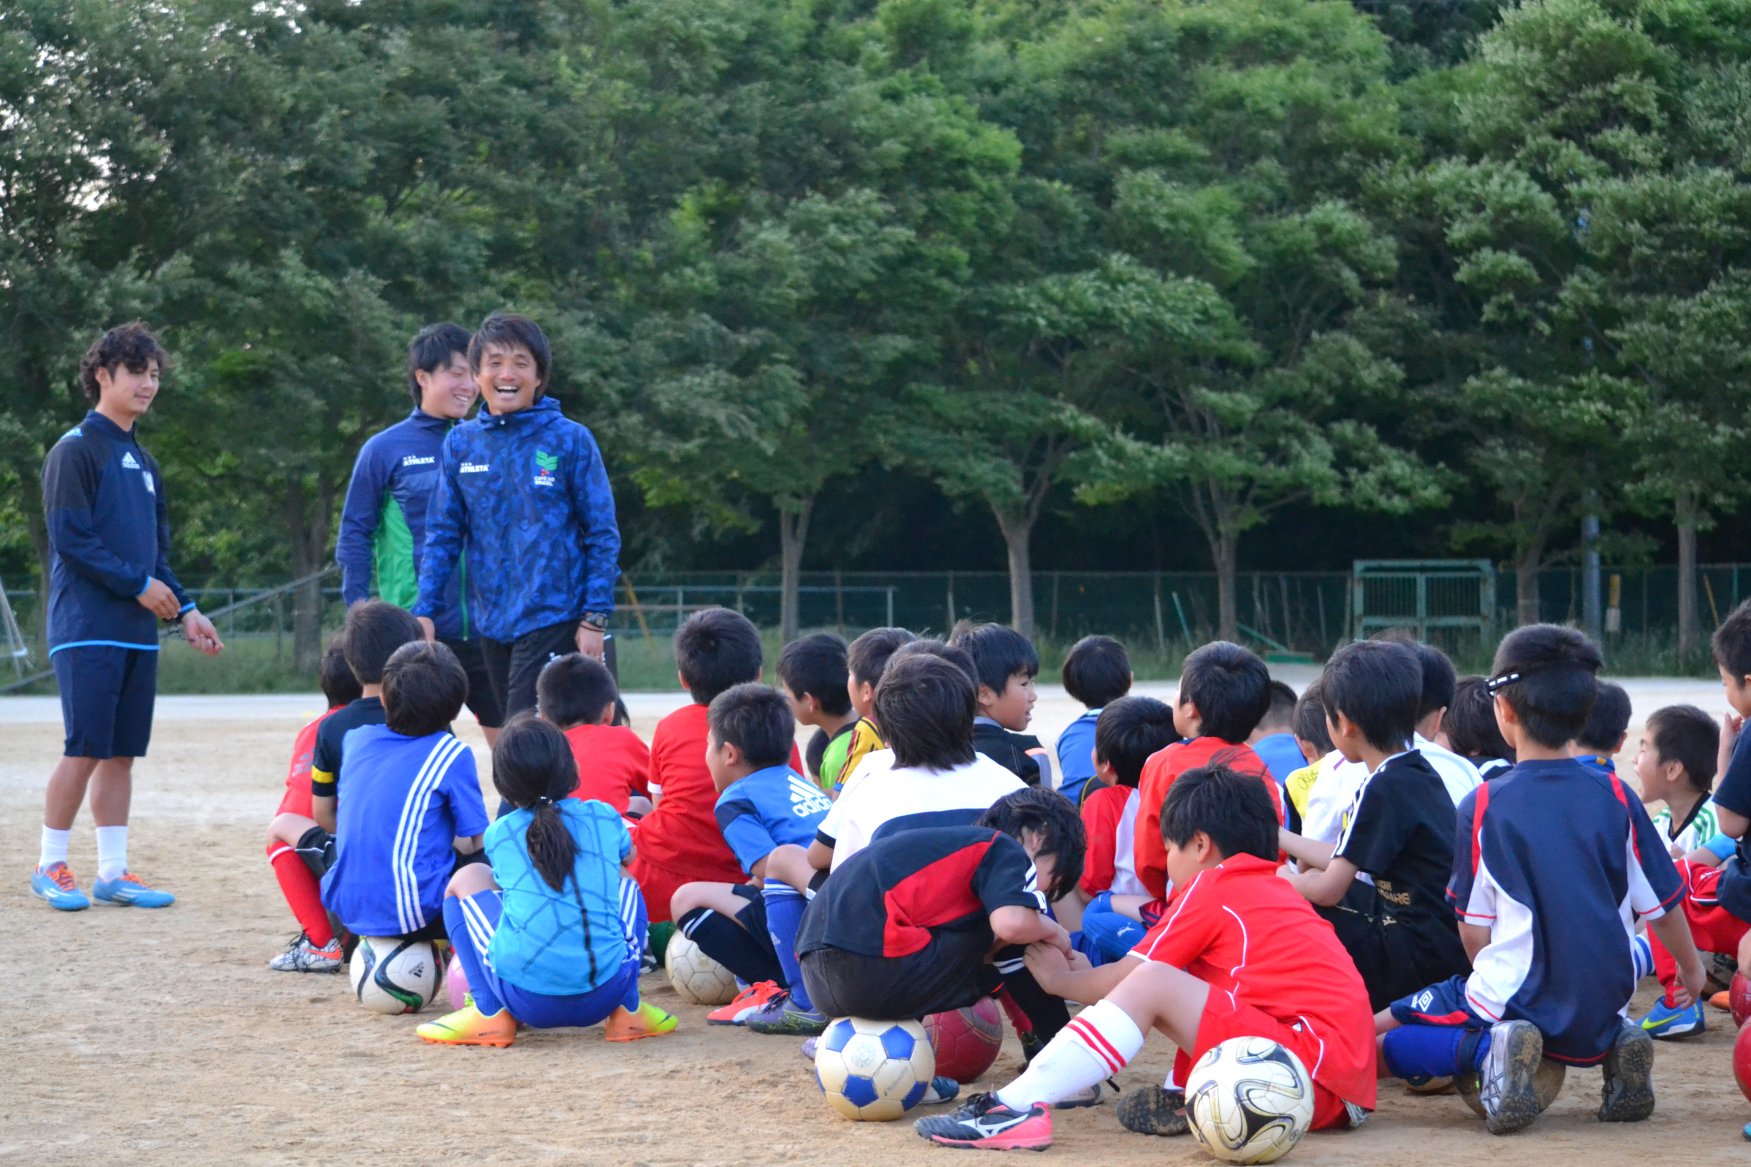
(162, 1037)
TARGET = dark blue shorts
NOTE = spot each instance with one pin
(1442, 1003)
(107, 694)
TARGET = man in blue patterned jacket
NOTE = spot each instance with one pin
(524, 489)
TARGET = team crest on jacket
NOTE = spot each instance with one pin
(545, 465)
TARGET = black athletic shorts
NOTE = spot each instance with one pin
(483, 701)
(316, 848)
(512, 666)
(945, 974)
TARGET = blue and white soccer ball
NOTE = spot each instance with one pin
(874, 1071)
(1249, 1100)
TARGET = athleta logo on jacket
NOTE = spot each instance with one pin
(416, 460)
(474, 468)
(545, 465)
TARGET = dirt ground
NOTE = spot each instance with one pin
(162, 1037)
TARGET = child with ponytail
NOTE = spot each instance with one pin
(552, 935)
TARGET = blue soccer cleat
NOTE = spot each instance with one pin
(1668, 1021)
(54, 883)
(130, 891)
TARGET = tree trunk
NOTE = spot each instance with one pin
(1225, 551)
(793, 537)
(1018, 530)
(1526, 586)
(307, 523)
(1689, 627)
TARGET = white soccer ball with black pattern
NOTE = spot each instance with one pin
(1249, 1100)
(395, 975)
(874, 1071)
(698, 978)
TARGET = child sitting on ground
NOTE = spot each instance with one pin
(315, 948)
(1006, 665)
(762, 804)
(1200, 977)
(865, 661)
(817, 683)
(1607, 729)
(551, 934)
(1274, 738)
(1470, 729)
(1130, 731)
(1400, 831)
(1557, 864)
(1675, 765)
(576, 694)
(1314, 741)
(1097, 672)
(1439, 682)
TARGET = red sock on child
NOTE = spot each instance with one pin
(302, 891)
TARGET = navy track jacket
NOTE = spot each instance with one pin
(528, 496)
(109, 536)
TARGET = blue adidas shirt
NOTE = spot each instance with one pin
(405, 802)
(767, 809)
(570, 940)
(1076, 755)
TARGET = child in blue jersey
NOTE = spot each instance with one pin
(551, 936)
(1606, 731)
(1097, 672)
(408, 810)
(762, 805)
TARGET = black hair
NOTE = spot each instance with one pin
(1054, 819)
(1310, 723)
(431, 349)
(1377, 684)
(1556, 670)
(1731, 643)
(1131, 729)
(1097, 671)
(1439, 675)
(1608, 720)
(869, 653)
(1231, 688)
(574, 689)
(1280, 713)
(999, 652)
(132, 346)
(959, 657)
(1230, 807)
(1471, 726)
(1688, 736)
(717, 648)
(533, 768)
(755, 719)
(424, 686)
(339, 686)
(372, 632)
(509, 330)
(925, 706)
(815, 667)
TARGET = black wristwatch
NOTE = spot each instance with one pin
(596, 620)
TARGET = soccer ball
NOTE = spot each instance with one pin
(698, 978)
(1547, 1083)
(966, 1041)
(874, 1071)
(1249, 1100)
(395, 975)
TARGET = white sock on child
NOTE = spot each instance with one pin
(1097, 1044)
(1643, 952)
(112, 852)
(54, 847)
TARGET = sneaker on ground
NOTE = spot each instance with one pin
(647, 1020)
(939, 1091)
(1093, 1096)
(807, 1049)
(55, 884)
(1506, 1085)
(781, 1015)
(1669, 1021)
(130, 891)
(1629, 1077)
(469, 1026)
(1154, 1110)
(749, 1000)
(986, 1124)
(1722, 1000)
(304, 956)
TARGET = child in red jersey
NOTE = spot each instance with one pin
(1201, 976)
(297, 883)
(577, 694)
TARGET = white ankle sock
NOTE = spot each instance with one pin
(54, 846)
(112, 852)
(1097, 1044)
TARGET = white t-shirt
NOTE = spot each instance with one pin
(879, 793)
(1458, 775)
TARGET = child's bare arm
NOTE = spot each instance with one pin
(820, 856)
(1017, 925)
(322, 810)
(1071, 977)
(1131, 906)
(1474, 937)
(1325, 888)
(1305, 851)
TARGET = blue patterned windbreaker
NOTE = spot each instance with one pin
(528, 496)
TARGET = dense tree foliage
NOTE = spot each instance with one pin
(966, 275)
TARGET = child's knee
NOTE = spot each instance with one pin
(687, 897)
(289, 827)
(789, 863)
(470, 879)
